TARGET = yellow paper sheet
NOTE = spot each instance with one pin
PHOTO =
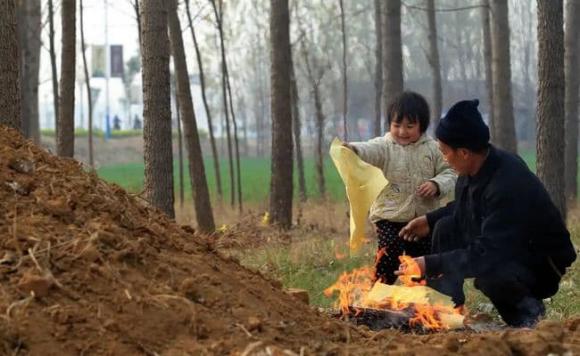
(417, 295)
(363, 184)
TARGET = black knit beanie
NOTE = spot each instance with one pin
(463, 127)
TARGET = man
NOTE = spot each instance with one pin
(502, 229)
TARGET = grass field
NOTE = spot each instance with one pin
(255, 178)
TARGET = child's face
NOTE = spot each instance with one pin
(405, 132)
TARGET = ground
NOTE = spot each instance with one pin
(87, 268)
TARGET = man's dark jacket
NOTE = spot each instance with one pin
(504, 214)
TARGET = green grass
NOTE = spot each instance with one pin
(255, 178)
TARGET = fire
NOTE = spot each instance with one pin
(430, 309)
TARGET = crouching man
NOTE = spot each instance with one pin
(502, 229)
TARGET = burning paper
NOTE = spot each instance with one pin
(363, 184)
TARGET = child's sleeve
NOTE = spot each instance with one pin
(445, 176)
(374, 152)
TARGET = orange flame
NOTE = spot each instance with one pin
(412, 272)
(354, 287)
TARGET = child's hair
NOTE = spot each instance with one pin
(412, 106)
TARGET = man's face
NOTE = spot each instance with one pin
(458, 159)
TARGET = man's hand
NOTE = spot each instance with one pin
(415, 229)
(403, 267)
(428, 189)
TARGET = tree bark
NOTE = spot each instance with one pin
(487, 57)
(434, 63)
(54, 73)
(550, 111)
(29, 28)
(156, 106)
(501, 72)
(571, 65)
(199, 187)
(216, 161)
(378, 66)
(88, 84)
(65, 135)
(281, 108)
(393, 53)
(10, 109)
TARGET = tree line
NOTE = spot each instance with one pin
(315, 50)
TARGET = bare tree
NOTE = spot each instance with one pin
(344, 72)
(218, 16)
(393, 52)
(501, 72)
(10, 110)
(156, 106)
(550, 111)
(199, 188)
(297, 128)
(236, 141)
(52, 52)
(29, 29)
(315, 73)
(486, 27)
(378, 65)
(216, 161)
(65, 135)
(281, 182)
(434, 63)
(571, 65)
(180, 173)
(88, 84)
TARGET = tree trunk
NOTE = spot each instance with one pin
(236, 142)
(199, 188)
(281, 108)
(218, 17)
(216, 161)
(65, 135)
(156, 106)
(550, 111)
(315, 79)
(54, 73)
(29, 28)
(179, 139)
(378, 66)
(393, 53)
(138, 17)
(434, 63)
(571, 65)
(344, 72)
(486, 26)
(297, 128)
(501, 73)
(88, 84)
(10, 109)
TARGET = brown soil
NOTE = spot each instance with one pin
(87, 268)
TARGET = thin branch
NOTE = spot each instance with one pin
(452, 9)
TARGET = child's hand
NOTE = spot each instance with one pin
(427, 190)
(350, 147)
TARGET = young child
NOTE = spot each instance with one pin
(418, 176)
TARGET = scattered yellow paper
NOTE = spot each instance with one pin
(363, 184)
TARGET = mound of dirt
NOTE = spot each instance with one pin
(87, 268)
